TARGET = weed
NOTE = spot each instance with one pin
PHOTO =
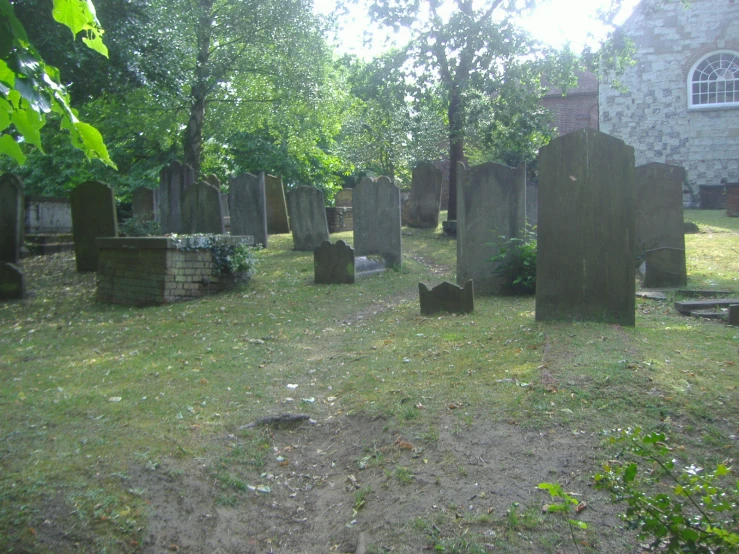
(404, 475)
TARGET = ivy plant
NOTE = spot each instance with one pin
(228, 258)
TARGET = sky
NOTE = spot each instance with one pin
(554, 22)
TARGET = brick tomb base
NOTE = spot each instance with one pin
(152, 270)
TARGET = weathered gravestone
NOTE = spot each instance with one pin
(491, 209)
(343, 198)
(734, 315)
(277, 221)
(665, 267)
(307, 217)
(12, 282)
(532, 205)
(93, 216)
(145, 203)
(447, 298)
(333, 263)
(659, 207)
(247, 204)
(12, 219)
(201, 209)
(423, 205)
(376, 210)
(174, 180)
(585, 248)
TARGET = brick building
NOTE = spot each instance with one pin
(578, 109)
(681, 105)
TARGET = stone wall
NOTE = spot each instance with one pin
(653, 114)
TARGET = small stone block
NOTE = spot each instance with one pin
(665, 267)
(448, 298)
(12, 282)
(333, 263)
(734, 315)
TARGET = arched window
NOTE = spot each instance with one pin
(714, 81)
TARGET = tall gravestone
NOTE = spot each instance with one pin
(11, 218)
(248, 208)
(174, 180)
(307, 217)
(585, 254)
(277, 221)
(93, 216)
(12, 282)
(491, 209)
(376, 211)
(201, 209)
(146, 203)
(423, 205)
(659, 207)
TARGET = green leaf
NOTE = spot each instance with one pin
(92, 143)
(630, 472)
(29, 123)
(96, 44)
(577, 523)
(72, 13)
(11, 148)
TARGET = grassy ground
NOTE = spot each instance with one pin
(93, 394)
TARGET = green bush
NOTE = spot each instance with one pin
(516, 260)
(236, 259)
(140, 226)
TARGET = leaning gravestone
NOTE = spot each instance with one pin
(491, 209)
(659, 207)
(585, 254)
(277, 221)
(145, 203)
(11, 218)
(376, 210)
(93, 216)
(12, 282)
(423, 205)
(247, 205)
(447, 298)
(333, 263)
(201, 209)
(307, 217)
(174, 180)
(665, 267)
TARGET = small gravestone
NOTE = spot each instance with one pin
(585, 241)
(734, 315)
(93, 216)
(333, 263)
(277, 221)
(376, 211)
(447, 297)
(665, 267)
(307, 218)
(174, 180)
(201, 209)
(247, 204)
(343, 198)
(11, 218)
(491, 210)
(659, 207)
(145, 203)
(423, 205)
(12, 282)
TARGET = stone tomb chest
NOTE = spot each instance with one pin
(153, 270)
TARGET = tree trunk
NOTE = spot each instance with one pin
(456, 148)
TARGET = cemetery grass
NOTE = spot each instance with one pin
(123, 429)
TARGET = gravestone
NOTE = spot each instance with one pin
(423, 205)
(174, 180)
(12, 282)
(145, 203)
(447, 297)
(665, 267)
(333, 263)
(376, 210)
(277, 221)
(734, 315)
(93, 216)
(12, 218)
(585, 254)
(659, 207)
(532, 205)
(247, 205)
(307, 217)
(343, 198)
(201, 209)
(491, 209)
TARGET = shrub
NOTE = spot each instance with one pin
(228, 258)
(140, 226)
(516, 260)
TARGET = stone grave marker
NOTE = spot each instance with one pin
(659, 207)
(174, 180)
(201, 209)
(423, 205)
(343, 198)
(146, 203)
(277, 221)
(12, 219)
(376, 211)
(333, 263)
(12, 282)
(247, 204)
(93, 216)
(447, 297)
(307, 217)
(665, 267)
(734, 315)
(491, 203)
(585, 254)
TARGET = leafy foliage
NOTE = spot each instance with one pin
(140, 226)
(236, 259)
(516, 259)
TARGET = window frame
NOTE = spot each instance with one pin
(690, 82)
